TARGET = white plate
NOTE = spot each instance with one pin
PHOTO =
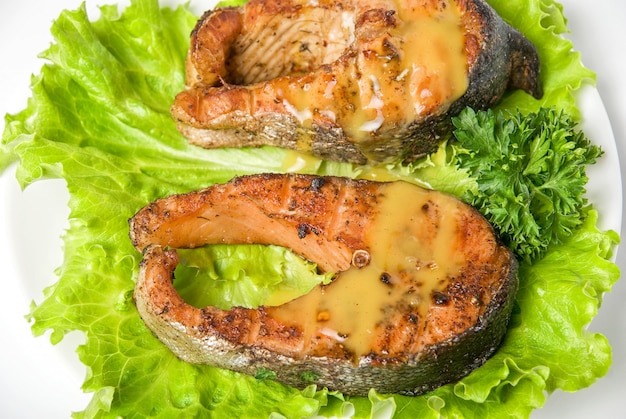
(41, 380)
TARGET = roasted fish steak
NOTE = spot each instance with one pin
(422, 293)
(357, 80)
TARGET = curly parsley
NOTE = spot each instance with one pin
(530, 172)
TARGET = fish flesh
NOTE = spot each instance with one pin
(361, 81)
(421, 294)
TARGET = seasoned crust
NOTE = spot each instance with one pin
(293, 75)
(457, 325)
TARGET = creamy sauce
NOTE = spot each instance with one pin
(296, 161)
(410, 257)
(434, 55)
(428, 73)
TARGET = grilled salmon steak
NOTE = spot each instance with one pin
(362, 81)
(422, 293)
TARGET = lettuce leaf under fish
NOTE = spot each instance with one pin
(99, 118)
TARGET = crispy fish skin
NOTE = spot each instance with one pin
(341, 59)
(327, 220)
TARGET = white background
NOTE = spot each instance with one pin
(38, 380)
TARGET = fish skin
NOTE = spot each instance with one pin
(460, 336)
(221, 108)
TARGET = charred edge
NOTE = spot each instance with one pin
(525, 66)
(317, 183)
(427, 205)
(440, 298)
(302, 230)
(305, 229)
(385, 278)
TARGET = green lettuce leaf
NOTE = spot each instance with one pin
(99, 118)
(247, 276)
(561, 69)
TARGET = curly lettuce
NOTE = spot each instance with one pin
(99, 118)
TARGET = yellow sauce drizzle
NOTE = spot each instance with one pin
(410, 250)
(429, 74)
(434, 54)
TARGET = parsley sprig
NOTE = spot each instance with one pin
(530, 172)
